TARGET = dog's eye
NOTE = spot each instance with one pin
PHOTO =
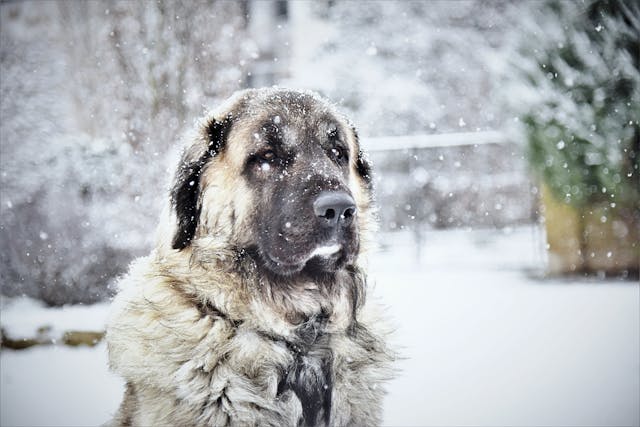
(267, 156)
(338, 153)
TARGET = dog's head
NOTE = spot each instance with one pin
(280, 175)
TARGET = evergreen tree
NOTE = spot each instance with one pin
(581, 100)
(578, 97)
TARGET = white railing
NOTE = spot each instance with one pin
(391, 143)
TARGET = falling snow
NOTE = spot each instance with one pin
(487, 341)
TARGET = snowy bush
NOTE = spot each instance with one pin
(577, 91)
(61, 234)
(579, 99)
(93, 97)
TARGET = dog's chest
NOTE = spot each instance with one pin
(310, 379)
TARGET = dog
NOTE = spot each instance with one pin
(251, 308)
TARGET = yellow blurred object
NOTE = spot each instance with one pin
(562, 224)
(597, 239)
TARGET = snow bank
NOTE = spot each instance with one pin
(24, 317)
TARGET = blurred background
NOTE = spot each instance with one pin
(505, 140)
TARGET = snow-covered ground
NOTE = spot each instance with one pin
(485, 342)
(55, 385)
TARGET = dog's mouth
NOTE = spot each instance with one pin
(326, 257)
(325, 251)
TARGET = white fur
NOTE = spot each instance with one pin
(326, 250)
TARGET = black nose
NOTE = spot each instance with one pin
(336, 207)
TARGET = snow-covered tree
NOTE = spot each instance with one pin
(582, 103)
(93, 96)
(405, 67)
(577, 92)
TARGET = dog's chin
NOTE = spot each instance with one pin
(323, 265)
(280, 268)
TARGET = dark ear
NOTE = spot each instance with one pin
(185, 193)
(362, 164)
(364, 167)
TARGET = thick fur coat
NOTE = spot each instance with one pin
(251, 309)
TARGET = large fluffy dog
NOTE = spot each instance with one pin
(251, 309)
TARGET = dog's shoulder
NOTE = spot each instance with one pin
(184, 358)
(155, 324)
